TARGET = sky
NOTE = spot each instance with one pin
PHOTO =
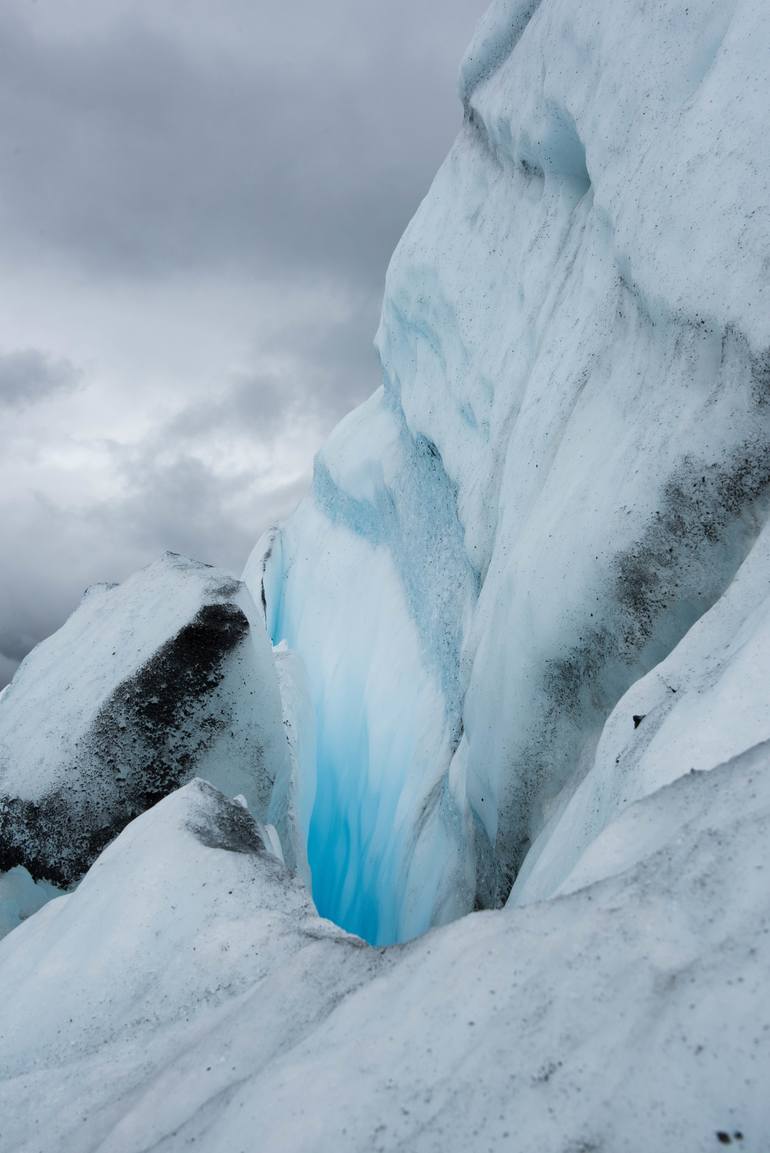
(198, 202)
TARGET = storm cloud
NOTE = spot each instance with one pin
(27, 376)
(197, 207)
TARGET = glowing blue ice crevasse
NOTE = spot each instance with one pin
(567, 465)
(370, 583)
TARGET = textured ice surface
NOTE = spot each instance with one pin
(567, 463)
(166, 675)
(186, 996)
(706, 703)
(375, 578)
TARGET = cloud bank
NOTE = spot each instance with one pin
(197, 207)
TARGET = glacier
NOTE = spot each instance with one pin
(566, 464)
(461, 841)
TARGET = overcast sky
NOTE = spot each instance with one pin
(198, 200)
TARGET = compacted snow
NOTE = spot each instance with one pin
(517, 694)
(187, 997)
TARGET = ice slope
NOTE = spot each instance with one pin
(148, 683)
(705, 704)
(567, 463)
(186, 996)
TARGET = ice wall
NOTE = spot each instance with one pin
(370, 584)
(568, 460)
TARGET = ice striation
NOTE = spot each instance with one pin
(518, 682)
(568, 460)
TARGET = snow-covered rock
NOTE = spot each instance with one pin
(166, 676)
(186, 996)
(569, 458)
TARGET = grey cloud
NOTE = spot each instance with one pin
(182, 504)
(133, 154)
(28, 376)
(174, 500)
(326, 369)
(149, 142)
(8, 667)
(177, 504)
(257, 405)
(15, 643)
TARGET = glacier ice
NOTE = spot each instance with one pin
(187, 996)
(376, 529)
(705, 704)
(520, 651)
(567, 462)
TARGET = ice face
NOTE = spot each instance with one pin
(368, 727)
(567, 463)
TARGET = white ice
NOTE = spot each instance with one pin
(568, 461)
(187, 996)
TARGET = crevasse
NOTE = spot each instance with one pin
(564, 470)
(390, 524)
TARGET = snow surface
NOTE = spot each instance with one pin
(186, 996)
(567, 463)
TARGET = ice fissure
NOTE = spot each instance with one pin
(565, 469)
(360, 833)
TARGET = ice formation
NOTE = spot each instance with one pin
(147, 684)
(521, 648)
(566, 465)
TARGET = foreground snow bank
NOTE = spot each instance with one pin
(187, 959)
(187, 996)
(148, 683)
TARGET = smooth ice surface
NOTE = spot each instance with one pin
(566, 465)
